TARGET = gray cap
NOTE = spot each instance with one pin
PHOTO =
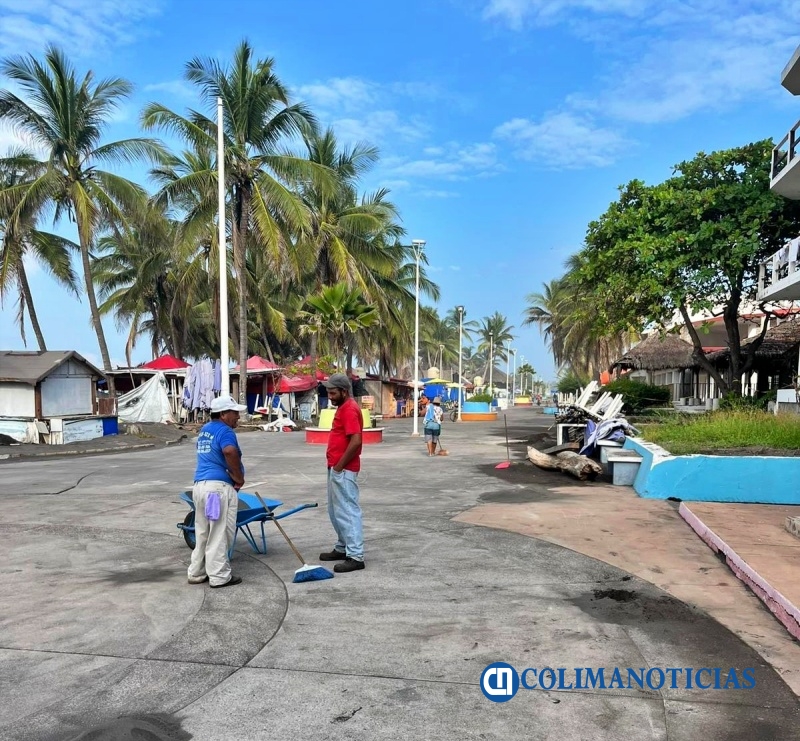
(338, 381)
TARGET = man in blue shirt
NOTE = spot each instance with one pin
(217, 479)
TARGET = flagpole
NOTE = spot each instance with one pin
(223, 257)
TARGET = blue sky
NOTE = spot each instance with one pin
(505, 126)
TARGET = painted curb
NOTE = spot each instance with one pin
(784, 610)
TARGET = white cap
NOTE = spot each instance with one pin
(226, 404)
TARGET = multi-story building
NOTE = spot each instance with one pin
(779, 277)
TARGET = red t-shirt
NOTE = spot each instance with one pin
(347, 421)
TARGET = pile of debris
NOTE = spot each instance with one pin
(589, 421)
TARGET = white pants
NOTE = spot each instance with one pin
(214, 538)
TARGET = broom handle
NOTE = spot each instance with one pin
(283, 532)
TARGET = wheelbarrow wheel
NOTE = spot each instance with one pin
(188, 535)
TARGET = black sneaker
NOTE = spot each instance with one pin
(350, 564)
(232, 582)
(334, 555)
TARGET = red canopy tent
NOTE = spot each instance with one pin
(165, 363)
(257, 363)
(289, 384)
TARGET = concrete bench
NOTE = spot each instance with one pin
(606, 447)
(624, 466)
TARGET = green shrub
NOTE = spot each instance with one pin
(638, 395)
(570, 383)
(734, 402)
(481, 397)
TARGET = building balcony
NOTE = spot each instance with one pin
(778, 275)
(790, 77)
(785, 172)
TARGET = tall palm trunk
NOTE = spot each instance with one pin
(28, 298)
(96, 323)
(241, 222)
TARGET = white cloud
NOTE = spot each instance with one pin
(563, 140)
(80, 27)
(340, 93)
(175, 88)
(666, 61)
(456, 162)
(517, 12)
(378, 127)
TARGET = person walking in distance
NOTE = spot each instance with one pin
(344, 463)
(432, 424)
(218, 477)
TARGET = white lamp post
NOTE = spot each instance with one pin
(222, 248)
(491, 365)
(508, 374)
(419, 246)
(513, 377)
(460, 353)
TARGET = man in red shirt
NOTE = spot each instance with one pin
(344, 463)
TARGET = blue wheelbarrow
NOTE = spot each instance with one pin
(251, 512)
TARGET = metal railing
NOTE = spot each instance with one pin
(785, 151)
(779, 266)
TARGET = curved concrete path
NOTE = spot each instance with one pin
(101, 637)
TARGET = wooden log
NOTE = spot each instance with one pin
(542, 460)
(579, 466)
(569, 462)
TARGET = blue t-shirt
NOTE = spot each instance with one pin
(211, 464)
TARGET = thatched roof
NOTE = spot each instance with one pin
(778, 341)
(658, 353)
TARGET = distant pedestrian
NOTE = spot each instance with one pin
(432, 424)
(218, 477)
(344, 463)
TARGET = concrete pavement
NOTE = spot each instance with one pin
(101, 637)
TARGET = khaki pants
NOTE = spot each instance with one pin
(214, 538)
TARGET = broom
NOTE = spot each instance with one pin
(307, 572)
(507, 462)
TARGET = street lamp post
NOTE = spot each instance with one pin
(222, 248)
(419, 246)
(508, 373)
(513, 377)
(491, 364)
(460, 354)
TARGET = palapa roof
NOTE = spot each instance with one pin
(32, 366)
(658, 352)
(778, 341)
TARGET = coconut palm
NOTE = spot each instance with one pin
(335, 314)
(65, 115)
(259, 120)
(494, 335)
(50, 251)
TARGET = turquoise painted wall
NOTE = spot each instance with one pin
(475, 407)
(716, 478)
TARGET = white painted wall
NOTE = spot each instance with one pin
(67, 391)
(17, 400)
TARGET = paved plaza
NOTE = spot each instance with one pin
(102, 638)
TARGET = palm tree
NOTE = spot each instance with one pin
(335, 314)
(259, 120)
(566, 318)
(65, 115)
(49, 250)
(494, 335)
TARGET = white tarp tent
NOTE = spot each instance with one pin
(148, 403)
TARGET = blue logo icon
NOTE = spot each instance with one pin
(499, 682)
